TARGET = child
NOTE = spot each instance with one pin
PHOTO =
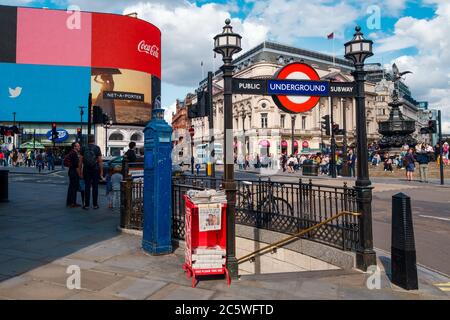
(116, 180)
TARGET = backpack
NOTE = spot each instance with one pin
(67, 162)
(89, 157)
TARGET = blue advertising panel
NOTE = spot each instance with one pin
(63, 135)
(43, 93)
(298, 87)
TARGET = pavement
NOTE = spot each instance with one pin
(40, 238)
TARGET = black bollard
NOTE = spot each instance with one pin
(403, 250)
(4, 185)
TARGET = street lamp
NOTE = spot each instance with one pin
(192, 133)
(227, 44)
(358, 50)
(81, 123)
(107, 123)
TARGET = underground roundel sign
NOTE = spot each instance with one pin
(294, 103)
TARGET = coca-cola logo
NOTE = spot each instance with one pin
(152, 50)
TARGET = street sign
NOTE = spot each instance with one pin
(296, 103)
(295, 88)
(249, 86)
(342, 89)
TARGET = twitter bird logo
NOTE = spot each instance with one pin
(14, 93)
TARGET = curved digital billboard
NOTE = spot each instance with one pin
(50, 60)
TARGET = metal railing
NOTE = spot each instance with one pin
(285, 207)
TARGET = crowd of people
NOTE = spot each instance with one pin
(39, 159)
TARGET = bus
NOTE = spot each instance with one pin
(203, 153)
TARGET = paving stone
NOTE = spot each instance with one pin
(88, 295)
(134, 288)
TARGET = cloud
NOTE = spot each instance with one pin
(187, 37)
(431, 65)
(114, 6)
(168, 112)
(290, 20)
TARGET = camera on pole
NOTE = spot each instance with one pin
(325, 124)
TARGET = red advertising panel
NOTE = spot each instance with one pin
(124, 42)
(53, 37)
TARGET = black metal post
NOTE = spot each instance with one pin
(365, 255)
(344, 170)
(293, 117)
(229, 183)
(81, 124)
(34, 141)
(333, 142)
(106, 140)
(211, 125)
(441, 148)
(192, 155)
(89, 114)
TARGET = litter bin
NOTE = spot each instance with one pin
(310, 169)
(4, 185)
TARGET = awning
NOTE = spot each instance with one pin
(284, 144)
(264, 143)
(295, 144)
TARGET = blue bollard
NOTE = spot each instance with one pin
(157, 233)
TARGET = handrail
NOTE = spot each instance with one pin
(295, 236)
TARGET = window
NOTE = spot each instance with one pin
(263, 120)
(303, 122)
(116, 137)
(282, 121)
(136, 137)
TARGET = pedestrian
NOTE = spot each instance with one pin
(2, 158)
(351, 163)
(291, 163)
(90, 169)
(283, 162)
(51, 160)
(408, 162)
(40, 161)
(131, 153)
(71, 161)
(423, 159)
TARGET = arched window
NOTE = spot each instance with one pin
(136, 137)
(116, 136)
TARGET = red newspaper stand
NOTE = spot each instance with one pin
(205, 236)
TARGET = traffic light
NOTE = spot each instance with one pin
(432, 127)
(202, 107)
(54, 132)
(97, 117)
(79, 135)
(325, 124)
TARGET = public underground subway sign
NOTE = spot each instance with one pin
(63, 135)
(295, 88)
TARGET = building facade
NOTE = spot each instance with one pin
(57, 63)
(261, 128)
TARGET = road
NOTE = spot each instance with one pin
(430, 207)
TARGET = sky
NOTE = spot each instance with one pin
(411, 33)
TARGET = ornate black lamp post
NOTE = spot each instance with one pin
(358, 50)
(81, 123)
(107, 124)
(192, 133)
(227, 44)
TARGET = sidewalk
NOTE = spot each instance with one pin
(30, 170)
(40, 238)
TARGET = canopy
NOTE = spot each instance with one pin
(284, 144)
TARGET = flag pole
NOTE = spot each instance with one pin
(334, 54)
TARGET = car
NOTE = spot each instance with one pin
(117, 162)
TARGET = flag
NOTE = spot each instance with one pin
(330, 36)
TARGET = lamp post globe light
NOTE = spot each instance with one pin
(192, 133)
(358, 50)
(227, 44)
(107, 123)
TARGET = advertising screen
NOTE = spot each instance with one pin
(53, 37)
(121, 42)
(125, 95)
(43, 93)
